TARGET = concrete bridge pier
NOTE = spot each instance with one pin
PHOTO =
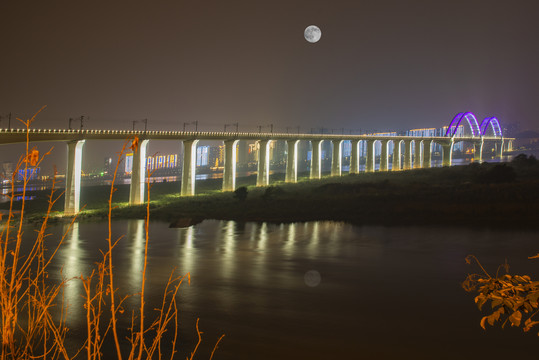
(336, 158)
(316, 159)
(510, 145)
(384, 155)
(499, 148)
(262, 176)
(229, 172)
(417, 154)
(396, 165)
(292, 161)
(369, 163)
(427, 153)
(478, 151)
(189, 167)
(138, 175)
(447, 154)
(354, 157)
(73, 172)
(407, 155)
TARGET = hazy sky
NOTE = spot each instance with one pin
(380, 65)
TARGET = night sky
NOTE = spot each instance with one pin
(380, 65)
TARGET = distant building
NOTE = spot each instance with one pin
(7, 169)
(108, 167)
(203, 155)
(169, 161)
(32, 173)
(128, 163)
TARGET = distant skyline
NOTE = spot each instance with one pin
(380, 65)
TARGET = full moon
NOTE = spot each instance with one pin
(312, 33)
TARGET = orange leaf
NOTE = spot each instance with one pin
(134, 144)
(32, 157)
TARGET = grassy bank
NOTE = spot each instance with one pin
(475, 195)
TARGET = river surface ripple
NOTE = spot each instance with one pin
(316, 290)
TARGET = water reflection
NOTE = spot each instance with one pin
(73, 268)
(136, 239)
(328, 288)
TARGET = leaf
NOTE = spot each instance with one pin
(134, 144)
(496, 302)
(482, 323)
(515, 318)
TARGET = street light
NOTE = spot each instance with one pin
(235, 124)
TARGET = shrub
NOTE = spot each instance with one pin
(500, 173)
(241, 194)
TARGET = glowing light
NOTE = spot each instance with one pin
(495, 125)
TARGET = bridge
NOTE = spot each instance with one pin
(408, 152)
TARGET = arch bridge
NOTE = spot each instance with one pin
(408, 152)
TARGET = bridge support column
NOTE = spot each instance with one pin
(73, 172)
(138, 175)
(407, 155)
(369, 163)
(478, 152)
(292, 161)
(316, 159)
(417, 154)
(262, 176)
(189, 167)
(336, 158)
(354, 157)
(427, 153)
(229, 172)
(396, 166)
(499, 148)
(447, 154)
(384, 156)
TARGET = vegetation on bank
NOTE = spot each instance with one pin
(487, 194)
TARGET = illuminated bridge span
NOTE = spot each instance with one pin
(408, 152)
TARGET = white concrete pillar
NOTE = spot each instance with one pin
(427, 153)
(417, 154)
(262, 176)
(384, 156)
(478, 151)
(336, 158)
(447, 154)
(73, 172)
(138, 175)
(292, 161)
(396, 165)
(229, 172)
(499, 148)
(407, 155)
(316, 159)
(189, 167)
(354, 157)
(371, 158)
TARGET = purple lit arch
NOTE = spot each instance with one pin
(455, 123)
(494, 124)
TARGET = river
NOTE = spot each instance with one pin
(317, 290)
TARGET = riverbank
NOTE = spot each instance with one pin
(486, 195)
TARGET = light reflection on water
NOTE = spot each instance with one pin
(383, 292)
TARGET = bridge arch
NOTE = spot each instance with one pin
(457, 120)
(494, 125)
